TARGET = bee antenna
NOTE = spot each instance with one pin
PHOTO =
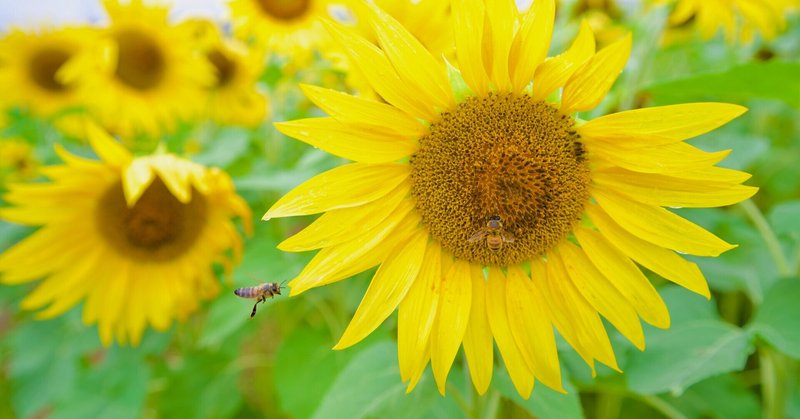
(282, 284)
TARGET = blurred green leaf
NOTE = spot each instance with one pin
(685, 306)
(685, 354)
(785, 219)
(776, 320)
(720, 397)
(759, 80)
(544, 402)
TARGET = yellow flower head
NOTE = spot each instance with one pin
(233, 97)
(738, 18)
(134, 238)
(143, 75)
(285, 27)
(30, 64)
(496, 214)
(17, 161)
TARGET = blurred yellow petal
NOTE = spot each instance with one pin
(531, 42)
(452, 320)
(659, 226)
(136, 178)
(478, 346)
(530, 322)
(346, 186)
(106, 147)
(387, 288)
(671, 123)
(417, 312)
(590, 83)
(554, 72)
(468, 17)
(497, 313)
(601, 294)
(357, 143)
(625, 276)
(355, 110)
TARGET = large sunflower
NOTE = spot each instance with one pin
(739, 19)
(495, 214)
(135, 238)
(145, 74)
(29, 69)
(286, 27)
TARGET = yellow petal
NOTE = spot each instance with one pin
(668, 158)
(339, 225)
(175, 174)
(497, 314)
(356, 110)
(502, 19)
(417, 312)
(344, 260)
(531, 42)
(625, 276)
(554, 72)
(601, 294)
(589, 330)
(136, 177)
(452, 320)
(387, 288)
(346, 186)
(413, 62)
(380, 73)
(106, 147)
(531, 325)
(468, 19)
(361, 144)
(669, 191)
(419, 368)
(659, 226)
(478, 346)
(592, 81)
(668, 123)
(659, 260)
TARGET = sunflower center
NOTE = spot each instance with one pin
(500, 179)
(43, 68)
(140, 61)
(225, 67)
(157, 228)
(285, 9)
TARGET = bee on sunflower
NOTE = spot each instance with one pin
(576, 204)
(134, 238)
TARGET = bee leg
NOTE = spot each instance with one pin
(253, 313)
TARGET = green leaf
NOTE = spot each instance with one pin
(544, 403)
(770, 80)
(723, 396)
(685, 306)
(785, 219)
(685, 354)
(776, 320)
(229, 144)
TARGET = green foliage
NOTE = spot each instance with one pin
(776, 320)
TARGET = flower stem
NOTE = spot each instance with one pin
(774, 382)
(773, 245)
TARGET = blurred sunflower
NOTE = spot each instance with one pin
(739, 19)
(285, 27)
(134, 237)
(145, 74)
(603, 16)
(233, 97)
(17, 161)
(494, 214)
(30, 65)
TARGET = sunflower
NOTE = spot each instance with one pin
(144, 76)
(495, 213)
(289, 28)
(604, 18)
(29, 69)
(133, 237)
(749, 16)
(17, 161)
(233, 97)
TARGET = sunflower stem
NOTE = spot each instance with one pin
(770, 239)
(662, 406)
(608, 405)
(774, 382)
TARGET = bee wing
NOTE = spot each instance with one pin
(477, 236)
(507, 237)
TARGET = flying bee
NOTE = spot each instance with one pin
(494, 234)
(259, 292)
